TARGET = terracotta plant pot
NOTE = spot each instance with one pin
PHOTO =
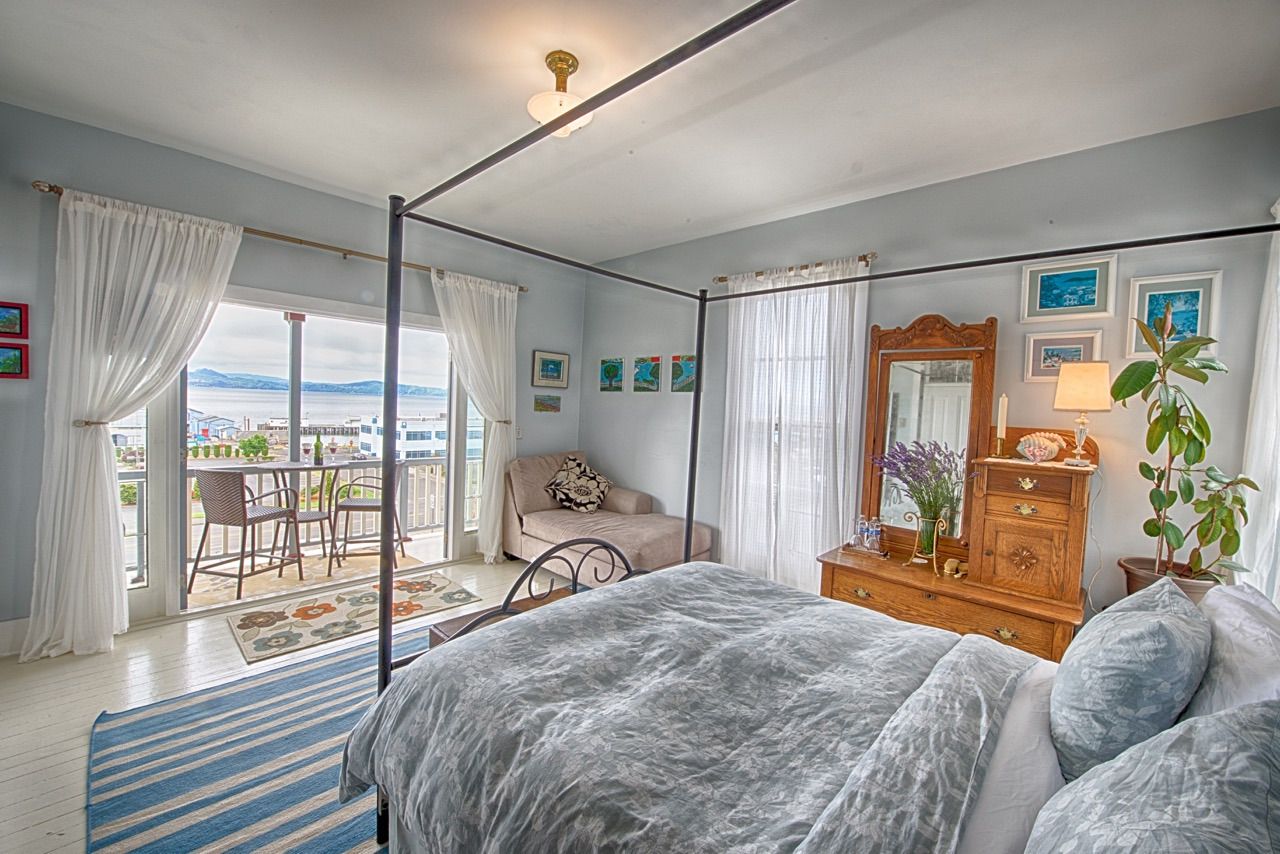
(1139, 573)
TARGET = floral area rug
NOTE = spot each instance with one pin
(289, 626)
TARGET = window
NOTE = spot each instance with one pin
(129, 435)
(418, 435)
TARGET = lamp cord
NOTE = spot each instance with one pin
(1088, 590)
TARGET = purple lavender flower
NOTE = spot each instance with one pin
(932, 474)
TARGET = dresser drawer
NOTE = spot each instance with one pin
(1033, 483)
(945, 612)
(1029, 507)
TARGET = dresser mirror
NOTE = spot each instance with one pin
(929, 381)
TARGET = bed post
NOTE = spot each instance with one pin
(387, 529)
(694, 424)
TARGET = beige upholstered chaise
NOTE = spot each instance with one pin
(533, 521)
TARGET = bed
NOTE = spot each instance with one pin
(701, 708)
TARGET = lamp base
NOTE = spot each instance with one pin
(1076, 461)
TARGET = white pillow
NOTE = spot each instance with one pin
(1244, 657)
(1023, 773)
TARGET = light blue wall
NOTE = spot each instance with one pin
(1209, 176)
(37, 146)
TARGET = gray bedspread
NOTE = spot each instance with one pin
(697, 709)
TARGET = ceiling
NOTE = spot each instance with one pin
(825, 102)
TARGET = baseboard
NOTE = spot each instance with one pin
(12, 633)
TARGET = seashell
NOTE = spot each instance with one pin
(1039, 447)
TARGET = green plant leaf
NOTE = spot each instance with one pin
(1190, 372)
(1207, 363)
(1230, 543)
(1206, 435)
(1151, 527)
(1177, 441)
(1196, 559)
(1155, 435)
(1148, 335)
(1215, 474)
(1245, 481)
(1133, 379)
(1194, 452)
(1173, 534)
(1232, 565)
(1186, 489)
(1187, 347)
(1157, 499)
(1203, 529)
(1145, 469)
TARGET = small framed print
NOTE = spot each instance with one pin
(611, 374)
(1048, 351)
(550, 370)
(14, 361)
(684, 373)
(648, 373)
(546, 403)
(1194, 298)
(13, 320)
(1069, 290)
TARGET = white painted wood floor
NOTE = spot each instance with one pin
(47, 707)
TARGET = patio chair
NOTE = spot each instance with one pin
(348, 504)
(229, 501)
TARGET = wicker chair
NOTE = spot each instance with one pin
(345, 506)
(228, 501)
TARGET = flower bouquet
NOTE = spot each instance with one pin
(933, 476)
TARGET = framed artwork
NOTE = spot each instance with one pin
(684, 371)
(1194, 297)
(1047, 351)
(13, 320)
(14, 362)
(611, 374)
(1069, 290)
(550, 370)
(648, 374)
(546, 403)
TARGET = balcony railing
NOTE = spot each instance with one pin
(422, 501)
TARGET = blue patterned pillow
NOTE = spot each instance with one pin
(1127, 676)
(1212, 783)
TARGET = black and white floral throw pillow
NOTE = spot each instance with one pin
(579, 487)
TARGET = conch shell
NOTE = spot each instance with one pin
(1039, 447)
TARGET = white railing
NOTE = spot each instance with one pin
(133, 525)
(422, 504)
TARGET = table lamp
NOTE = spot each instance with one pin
(1083, 387)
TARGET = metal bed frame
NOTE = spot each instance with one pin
(401, 210)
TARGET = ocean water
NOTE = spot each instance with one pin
(1186, 311)
(259, 405)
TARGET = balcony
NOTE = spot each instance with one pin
(422, 499)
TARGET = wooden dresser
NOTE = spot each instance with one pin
(1026, 538)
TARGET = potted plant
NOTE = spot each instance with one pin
(933, 476)
(1179, 432)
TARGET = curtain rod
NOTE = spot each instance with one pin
(800, 270)
(46, 187)
(1190, 237)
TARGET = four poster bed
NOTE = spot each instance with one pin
(697, 708)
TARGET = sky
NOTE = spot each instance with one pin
(256, 341)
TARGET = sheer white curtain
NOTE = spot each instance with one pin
(480, 323)
(792, 421)
(1260, 542)
(135, 290)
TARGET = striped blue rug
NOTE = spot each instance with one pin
(247, 766)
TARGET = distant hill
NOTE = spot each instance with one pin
(209, 378)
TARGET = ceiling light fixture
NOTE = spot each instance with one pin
(546, 106)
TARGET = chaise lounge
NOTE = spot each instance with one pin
(533, 521)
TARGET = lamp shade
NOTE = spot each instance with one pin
(546, 106)
(1083, 387)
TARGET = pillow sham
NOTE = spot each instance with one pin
(1127, 676)
(1244, 658)
(1212, 783)
(577, 486)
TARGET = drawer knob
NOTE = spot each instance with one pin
(930, 596)
(1027, 483)
(1026, 509)
(862, 592)
(1006, 634)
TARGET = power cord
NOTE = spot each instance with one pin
(1097, 546)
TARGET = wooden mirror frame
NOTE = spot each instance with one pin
(930, 337)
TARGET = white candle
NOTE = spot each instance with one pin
(1002, 416)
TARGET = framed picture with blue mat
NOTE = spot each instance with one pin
(1194, 298)
(1078, 289)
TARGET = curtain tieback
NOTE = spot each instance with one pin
(507, 421)
(82, 423)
